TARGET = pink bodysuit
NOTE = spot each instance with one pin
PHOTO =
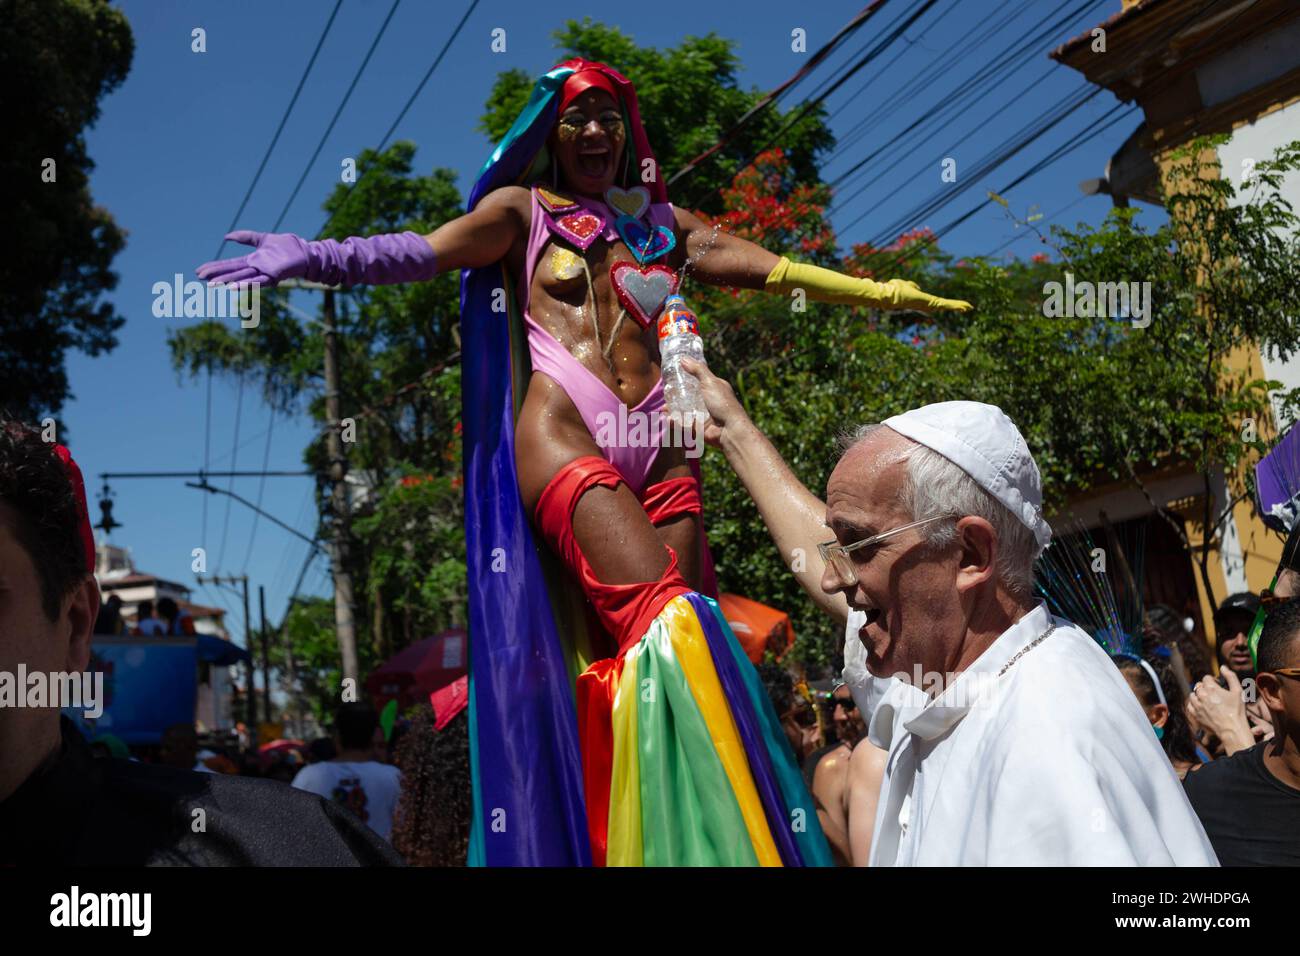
(592, 397)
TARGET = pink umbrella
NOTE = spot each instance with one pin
(415, 672)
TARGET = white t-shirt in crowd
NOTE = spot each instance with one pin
(1036, 755)
(369, 789)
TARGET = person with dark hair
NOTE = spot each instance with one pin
(436, 807)
(59, 803)
(180, 748)
(1249, 803)
(109, 620)
(1228, 710)
(830, 778)
(147, 623)
(1155, 684)
(322, 748)
(798, 719)
(176, 623)
(355, 779)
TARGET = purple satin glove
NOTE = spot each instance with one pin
(373, 260)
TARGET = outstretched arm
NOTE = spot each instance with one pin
(795, 517)
(478, 238)
(724, 259)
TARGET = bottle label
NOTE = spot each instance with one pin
(678, 321)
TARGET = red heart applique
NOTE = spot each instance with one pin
(580, 227)
(642, 289)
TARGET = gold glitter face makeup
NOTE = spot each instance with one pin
(613, 125)
(589, 141)
(571, 126)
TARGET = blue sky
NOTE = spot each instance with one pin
(178, 144)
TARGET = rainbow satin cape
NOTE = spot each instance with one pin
(714, 781)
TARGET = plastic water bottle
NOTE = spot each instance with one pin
(679, 336)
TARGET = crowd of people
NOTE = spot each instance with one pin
(163, 618)
(1190, 761)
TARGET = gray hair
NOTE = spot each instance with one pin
(935, 486)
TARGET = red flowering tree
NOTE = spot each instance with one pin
(769, 206)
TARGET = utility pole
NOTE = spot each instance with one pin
(266, 657)
(250, 705)
(344, 624)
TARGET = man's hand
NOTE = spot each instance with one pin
(1222, 711)
(725, 412)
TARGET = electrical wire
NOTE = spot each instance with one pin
(261, 487)
(815, 101)
(280, 129)
(225, 526)
(337, 113)
(775, 94)
(411, 99)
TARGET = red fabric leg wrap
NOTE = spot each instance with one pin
(596, 688)
(668, 499)
(625, 610)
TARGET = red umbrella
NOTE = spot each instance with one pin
(280, 744)
(415, 672)
(759, 628)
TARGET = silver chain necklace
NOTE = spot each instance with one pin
(1027, 648)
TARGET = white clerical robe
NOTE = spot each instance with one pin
(1049, 761)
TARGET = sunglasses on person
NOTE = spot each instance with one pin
(838, 556)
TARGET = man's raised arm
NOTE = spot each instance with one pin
(795, 517)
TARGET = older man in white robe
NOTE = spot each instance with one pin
(1012, 738)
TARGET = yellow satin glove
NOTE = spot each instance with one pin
(827, 286)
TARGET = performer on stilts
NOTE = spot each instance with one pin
(614, 718)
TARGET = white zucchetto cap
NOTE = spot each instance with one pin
(983, 442)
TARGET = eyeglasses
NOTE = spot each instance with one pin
(1286, 672)
(837, 555)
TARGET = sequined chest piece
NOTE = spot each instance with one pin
(641, 286)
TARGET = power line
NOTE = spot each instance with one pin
(1047, 160)
(927, 77)
(261, 487)
(1018, 141)
(1064, 149)
(207, 445)
(225, 525)
(853, 97)
(986, 79)
(280, 129)
(773, 95)
(418, 89)
(338, 112)
(428, 74)
(816, 99)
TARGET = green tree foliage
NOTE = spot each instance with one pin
(1097, 398)
(58, 59)
(689, 97)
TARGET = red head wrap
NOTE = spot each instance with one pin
(83, 513)
(585, 76)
